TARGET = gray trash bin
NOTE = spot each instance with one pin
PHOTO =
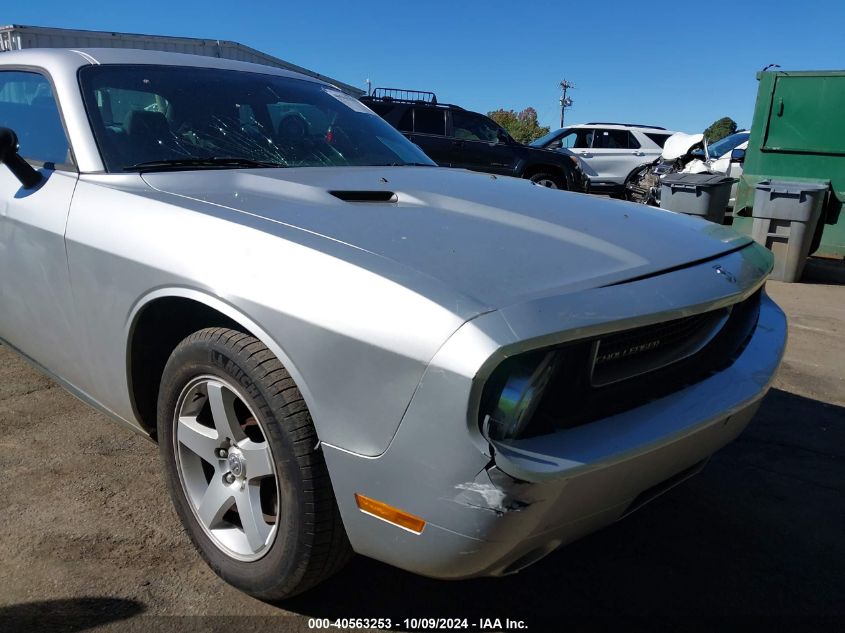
(785, 217)
(704, 195)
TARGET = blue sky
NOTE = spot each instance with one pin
(658, 63)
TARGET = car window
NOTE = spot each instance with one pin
(315, 119)
(430, 121)
(379, 107)
(659, 139)
(406, 121)
(612, 139)
(148, 113)
(469, 126)
(633, 143)
(28, 106)
(547, 140)
(116, 103)
(725, 145)
(400, 117)
(579, 138)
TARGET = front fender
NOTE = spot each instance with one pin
(356, 341)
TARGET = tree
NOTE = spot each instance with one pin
(720, 129)
(522, 126)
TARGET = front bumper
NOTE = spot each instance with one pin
(492, 515)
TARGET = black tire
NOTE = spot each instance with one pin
(545, 177)
(310, 543)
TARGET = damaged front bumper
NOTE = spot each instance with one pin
(494, 510)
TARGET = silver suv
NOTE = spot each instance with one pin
(609, 152)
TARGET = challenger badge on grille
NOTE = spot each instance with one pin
(628, 351)
(621, 355)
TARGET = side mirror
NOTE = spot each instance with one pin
(9, 156)
(503, 137)
(737, 155)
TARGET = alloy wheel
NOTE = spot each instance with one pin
(226, 468)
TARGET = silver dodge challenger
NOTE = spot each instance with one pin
(340, 347)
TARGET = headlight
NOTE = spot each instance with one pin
(514, 391)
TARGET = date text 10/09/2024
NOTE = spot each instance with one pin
(420, 624)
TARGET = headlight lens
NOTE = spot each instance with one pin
(513, 393)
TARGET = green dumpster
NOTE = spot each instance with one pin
(798, 135)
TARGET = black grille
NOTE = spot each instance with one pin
(628, 354)
(574, 397)
(642, 340)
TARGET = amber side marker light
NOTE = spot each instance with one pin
(390, 514)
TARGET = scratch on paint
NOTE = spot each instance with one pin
(491, 498)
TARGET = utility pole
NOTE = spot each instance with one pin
(369, 87)
(565, 102)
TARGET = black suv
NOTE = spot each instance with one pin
(454, 137)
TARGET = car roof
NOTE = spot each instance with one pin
(54, 59)
(624, 126)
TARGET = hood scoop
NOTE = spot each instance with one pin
(365, 196)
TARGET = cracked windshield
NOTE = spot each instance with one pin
(170, 117)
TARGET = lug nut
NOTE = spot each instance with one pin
(229, 478)
(222, 453)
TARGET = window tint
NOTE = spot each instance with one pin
(406, 122)
(28, 107)
(659, 139)
(613, 139)
(379, 107)
(399, 116)
(430, 121)
(469, 126)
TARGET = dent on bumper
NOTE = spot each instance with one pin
(488, 516)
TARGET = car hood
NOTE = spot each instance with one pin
(680, 144)
(496, 240)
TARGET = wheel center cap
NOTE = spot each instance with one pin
(237, 465)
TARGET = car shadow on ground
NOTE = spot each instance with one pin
(69, 616)
(758, 532)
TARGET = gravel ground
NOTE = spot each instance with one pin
(88, 539)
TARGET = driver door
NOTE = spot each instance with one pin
(36, 307)
(478, 144)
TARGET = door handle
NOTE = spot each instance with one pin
(458, 143)
(639, 153)
(586, 154)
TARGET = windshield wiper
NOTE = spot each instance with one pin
(206, 161)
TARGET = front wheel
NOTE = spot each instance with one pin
(243, 466)
(545, 179)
